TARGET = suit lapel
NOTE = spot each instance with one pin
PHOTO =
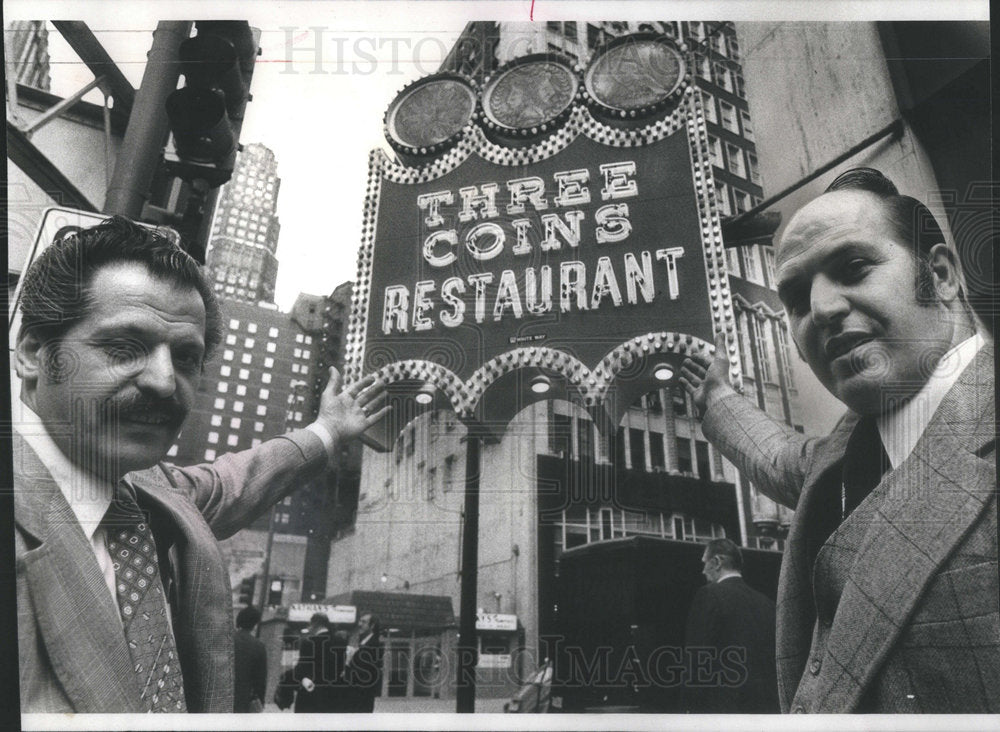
(76, 616)
(795, 607)
(925, 509)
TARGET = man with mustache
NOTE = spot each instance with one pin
(888, 595)
(124, 603)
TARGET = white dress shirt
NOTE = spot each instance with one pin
(901, 428)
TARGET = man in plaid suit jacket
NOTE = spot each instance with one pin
(117, 322)
(888, 597)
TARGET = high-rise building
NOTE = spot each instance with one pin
(242, 251)
(26, 45)
(255, 387)
(554, 482)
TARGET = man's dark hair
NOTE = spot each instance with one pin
(732, 557)
(913, 223)
(56, 289)
(321, 619)
(373, 624)
(247, 618)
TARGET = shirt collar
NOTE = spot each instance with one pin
(87, 495)
(901, 428)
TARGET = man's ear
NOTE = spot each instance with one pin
(947, 276)
(28, 357)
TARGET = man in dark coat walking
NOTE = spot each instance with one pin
(250, 663)
(730, 640)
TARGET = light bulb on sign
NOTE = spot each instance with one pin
(663, 373)
(541, 384)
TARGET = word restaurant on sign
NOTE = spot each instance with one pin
(484, 240)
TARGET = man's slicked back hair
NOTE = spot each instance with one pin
(56, 289)
(728, 550)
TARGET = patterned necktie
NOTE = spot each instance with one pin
(142, 604)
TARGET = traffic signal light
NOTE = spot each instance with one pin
(207, 113)
(247, 587)
(274, 592)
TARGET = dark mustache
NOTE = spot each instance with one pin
(139, 404)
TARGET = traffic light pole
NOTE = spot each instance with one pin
(147, 126)
(465, 696)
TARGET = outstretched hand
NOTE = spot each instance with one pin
(707, 379)
(348, 413)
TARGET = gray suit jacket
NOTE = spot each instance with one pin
(917, 628)
(72, 653)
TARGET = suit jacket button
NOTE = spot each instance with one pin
(815, 666)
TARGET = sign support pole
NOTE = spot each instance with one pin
(465, 697)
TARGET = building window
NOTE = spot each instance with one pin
(656, 456)
(213, 437)
(704, 67)
(305, 369)
(230, 340)
(751, 265)
(298, 337)
(309, 340)
(216, 420)
(220, 404)
(269, 363)
(235, 423)
(704, 465)
(586, 439)
(752, 168)
(298, 416)
(306, 353)
(237, 407)
(709, 102)
(248, 343)
(234, 324)
(733, 261)
(743, 200)
(722, 194)
(295, 368)
(210, 455)
(271, 347)
(265, 393)
(739, 88)
(684, 455)
(244, 374)
(297, 353)
(747, 126)
(227, 355)
(734, 156)
(233, 440)
(637, 449)
(678, 398)
(782, 347)
(246, 358)
(715, 151)
(723, 77)
(265, 378)
(560, 435)
(241, 390)
(763, 352)
(223, 387)
(225, 370)
(768, 254)
(272, 333)
(261, 410)
(727, 115)
(258, 426)
(746, 354)
(251, 327)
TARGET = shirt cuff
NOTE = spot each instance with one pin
(324, 434)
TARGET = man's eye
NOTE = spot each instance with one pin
(188, 361)
(123, 351)
(855, 268)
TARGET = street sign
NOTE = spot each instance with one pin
(496, 621)
(300, 612)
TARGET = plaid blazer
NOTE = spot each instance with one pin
(917, 628)
(72, 653)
